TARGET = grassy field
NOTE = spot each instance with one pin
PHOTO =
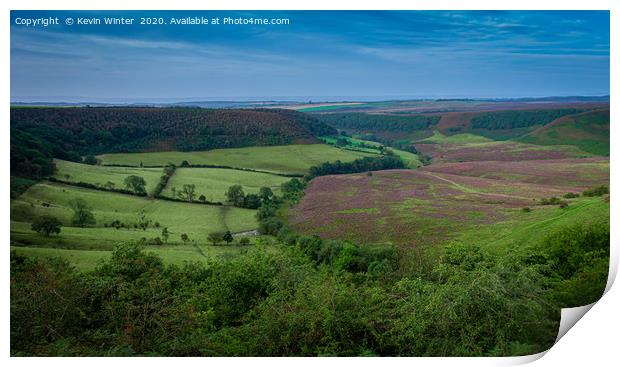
(412, 160)
(171, 254)
(524, 230)
(459, 139)
(279, 159)
(213, 182)
(100, 175)
(194, 219)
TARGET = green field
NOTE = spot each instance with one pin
(439, 138)
(171, 254)
(100, 175)
(525, 230)
(411, 160)
(213, 182)
(196, 220)
(279, 159)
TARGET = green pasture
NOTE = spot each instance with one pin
(280, 159)
(213, 182)
(100, 175)
(197, 220)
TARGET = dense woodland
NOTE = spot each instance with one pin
(376, 122)
(39, 134)
(517, 119)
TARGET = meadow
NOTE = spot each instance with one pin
(287, 159)
(101, 176)
(213, 182)
(196, 220)
(411, 160)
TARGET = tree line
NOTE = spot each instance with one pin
(519, 118)
(378, 122)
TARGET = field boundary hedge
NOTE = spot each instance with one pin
(211, 166)
(87, 185)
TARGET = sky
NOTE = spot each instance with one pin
(319, 55)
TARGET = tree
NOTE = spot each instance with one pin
(46, 225)
(215, 238)
(202, 199)
(189, 191)
(165, 234)
(342, 142)
(265, 194)
(184, 237)
(135, 183)
(143, 221)
(90, 159)
(82, 212)
(235, 195)
(251, 201)
(228, 237)
(184, 164)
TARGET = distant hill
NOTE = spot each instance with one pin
(39, 134)
(589, 131)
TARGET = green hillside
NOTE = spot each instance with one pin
(589, 131)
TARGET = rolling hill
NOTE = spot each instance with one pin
(589, 131)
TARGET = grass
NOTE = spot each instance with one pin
(194, 219)
(280, 159)
(530, 229)
(170, 254)
(100, 175)
(439, 138)
(411, 160)
(213, 182)
(588, 131)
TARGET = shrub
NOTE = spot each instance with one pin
(597, 191)
(550, 201)
(216, 237)
(270, 226)
(154, 241)
(46, 225)
(570, 195)
(244, 241)
(526, 210)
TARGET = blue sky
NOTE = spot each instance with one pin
(319, 55)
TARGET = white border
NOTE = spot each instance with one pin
(592, 341)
